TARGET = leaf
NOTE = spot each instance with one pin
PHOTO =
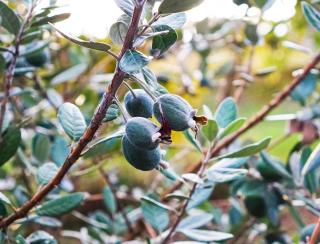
(175, 6)
(232, 127)
(88, 44)
(175, 21)
(191, 139)
(133, 61)
(312, 15)
(59, 150)
(41, 236)
(50, 19)
(201, 194)
(170, 174)
(195, 221)
(72, 120)
(47, 221)
(4, 199)
(226, 112)
(104, 145)
(11, 139)
(126, 6)
(313, 161)
(69, 74)
(61, 205)
(162, 43)
(205, 235)
(34, 48)
(219, 175)
(210, 130)
(46, 172)
(113, 112)
(118, 30)
(20, 240)
(41, 147)
(207, 112)
(155, 213)
(248, 150)
(9, 20)
(305, 88)
(192, 178)
(276, 165)
(109, 200)
(54, 97)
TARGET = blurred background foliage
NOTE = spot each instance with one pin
(248, 58)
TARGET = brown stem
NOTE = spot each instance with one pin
(8, 78)
(90, 131)
(315, 234)
(258, 117)
(105, 177)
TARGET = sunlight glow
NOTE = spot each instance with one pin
(94, 17)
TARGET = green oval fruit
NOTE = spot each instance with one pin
(142, 159)
(142, 133)
(38, 59)
(174, 111)
(256, 205)
(139, 104)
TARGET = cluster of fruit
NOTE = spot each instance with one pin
(140, 143)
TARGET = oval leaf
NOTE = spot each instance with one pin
(175, 6)
(133, 61)
(72, 120)
(11, 139)
(61, 205)
(9, 20)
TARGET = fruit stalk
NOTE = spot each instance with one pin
(90, 131)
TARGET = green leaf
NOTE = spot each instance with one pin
(248, 150)
(9, 20)
(20, 240)
(47, 221)
(4, 199)
(118, 30)
(312, 15)
(69, 74)
(11, 139)
(61, 205)
(201, 194)
(226, 112)
(46, 172)
(195, 221)
(219, 175)
(126, 6)
(313, 161)
(305, 88)
(162, 43)
(104, 145)
(210, 130)
(275, 165)
(99, 46)
(41, 147)
(113, 112)
(109, 200)
(175, 21)
(59, 150)
(72, 120)
(192, 140)
(251, 33)
(175, 6)
(41, 236)
(50, 19)
(155, 213)
(170, 174)
(205, 235)
(232, 127)
(133, 61)
(33, 48)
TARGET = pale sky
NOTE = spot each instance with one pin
(94, 17)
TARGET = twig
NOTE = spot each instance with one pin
(315, 234)
(8, 78)
(257, 118)
(105, 177)
(90, 131)
(185, 205)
